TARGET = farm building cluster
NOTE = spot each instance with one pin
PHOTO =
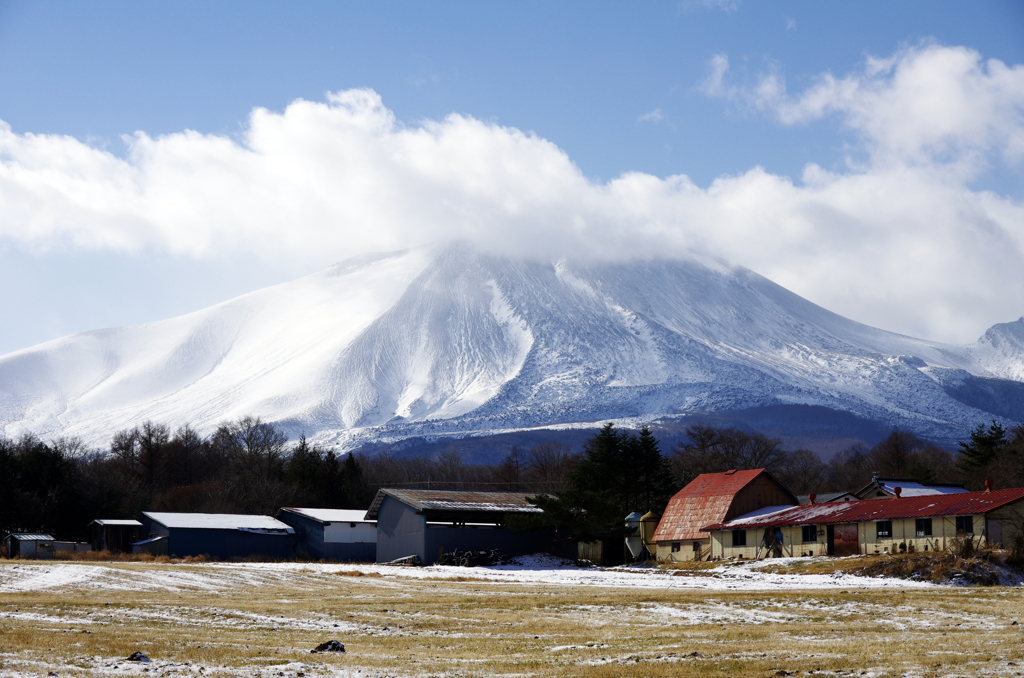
(749, 514)
(733, 514)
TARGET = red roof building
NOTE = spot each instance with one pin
(899, 523)
(713, 498)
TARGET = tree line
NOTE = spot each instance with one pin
(245, 466)
(248, 466)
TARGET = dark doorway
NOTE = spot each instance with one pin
(844, 541)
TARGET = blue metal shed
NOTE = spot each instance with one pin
(220, 535)
(332, 534)
(35, 545)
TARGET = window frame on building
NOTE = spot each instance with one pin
(739, 538)
(809, 531)
(883, 529)
(677, 546)
(923, 527)
(965, 524)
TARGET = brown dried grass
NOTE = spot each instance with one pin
(356, 573)
(964, 565)
(393, 625)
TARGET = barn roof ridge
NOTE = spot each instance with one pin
(323, 515)
(456, 500)
(218, 521)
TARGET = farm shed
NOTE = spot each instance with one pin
(713, 498)
(886, 525)
(29, 546)
(220, 535)
(886, 487)
(71, 546)
(426, 523)
(332, 534)
(116, 536)
(154, 546)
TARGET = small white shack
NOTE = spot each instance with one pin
(332, 534)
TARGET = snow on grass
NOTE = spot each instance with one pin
(539, 569)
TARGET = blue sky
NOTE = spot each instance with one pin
(611, 88)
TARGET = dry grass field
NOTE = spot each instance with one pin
(253, 620)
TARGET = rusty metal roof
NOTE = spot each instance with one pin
(889, 508)
(705, 500)
(456, 500)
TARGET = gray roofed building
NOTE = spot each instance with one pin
(426, 523)
(493, 504)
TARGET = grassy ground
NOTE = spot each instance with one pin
(396, 626)
(982, 568)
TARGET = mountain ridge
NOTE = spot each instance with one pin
(447, 341)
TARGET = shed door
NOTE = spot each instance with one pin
(845, 540)
(994, 532)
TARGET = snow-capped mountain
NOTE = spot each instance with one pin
(451, 341)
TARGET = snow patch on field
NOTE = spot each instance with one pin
(541, 570)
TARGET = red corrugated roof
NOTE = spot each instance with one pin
(706, 499)
(927, 506)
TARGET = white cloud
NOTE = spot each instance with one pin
(653, 116)
(928, 105)
(727, 6)
(714, 84)
(902, 242)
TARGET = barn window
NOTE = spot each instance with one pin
(676, 547)
(883, 528)
(965, 524)
(810, 533)
(739, 537)
(923, 527)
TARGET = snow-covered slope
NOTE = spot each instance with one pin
(449, 340)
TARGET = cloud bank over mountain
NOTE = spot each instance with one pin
(899, 238)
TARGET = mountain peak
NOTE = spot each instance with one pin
(1000, 351)
(452, 341)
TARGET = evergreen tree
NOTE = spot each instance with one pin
(303, 473)
(981, 451)
(619, 473)
(10, 489)
(654, 474)
(355, 493)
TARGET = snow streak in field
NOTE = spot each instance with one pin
(218, 576)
